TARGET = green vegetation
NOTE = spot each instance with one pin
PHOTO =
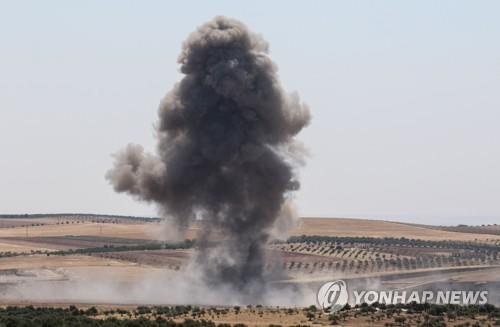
(412, 314)
(360, 255)
(187, 244)
(101, 239)
(386, 241)
(144, 316)
(440, 309)
(420, 315)
(79, 216)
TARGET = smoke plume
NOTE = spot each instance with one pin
(226, 154)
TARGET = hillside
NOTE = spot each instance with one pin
(381, 228)
(57, 249)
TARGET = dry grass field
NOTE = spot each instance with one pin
(380, 228)
(72, 248)
(306, 226)
(111, 315)
(125, 230)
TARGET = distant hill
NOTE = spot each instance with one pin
(51, 224)
(382, 228)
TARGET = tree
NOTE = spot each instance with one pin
(334, 319)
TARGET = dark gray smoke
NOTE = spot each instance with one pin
(225, 147)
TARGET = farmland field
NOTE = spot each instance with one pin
(44, 252)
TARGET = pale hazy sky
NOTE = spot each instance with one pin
(405, 97)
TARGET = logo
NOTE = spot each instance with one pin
(458, 297)
(333, 296)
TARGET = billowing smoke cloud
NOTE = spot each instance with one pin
(225, 152)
